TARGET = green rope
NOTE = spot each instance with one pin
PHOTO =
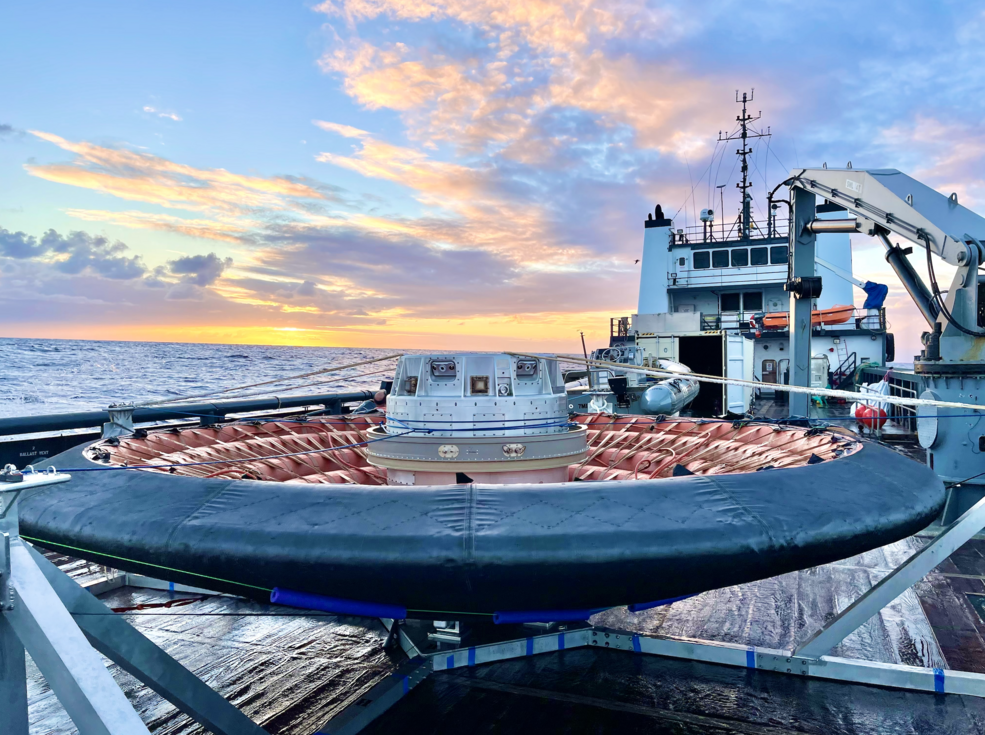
(143, 563)
(43, 542)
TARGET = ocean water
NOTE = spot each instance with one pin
(39, 376)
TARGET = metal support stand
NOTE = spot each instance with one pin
(802, 253)
(895, 583)
(13, 682)
(808, 659)
(45, 612)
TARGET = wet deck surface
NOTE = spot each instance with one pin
(289, 671)
(292, 671)
(598, 691)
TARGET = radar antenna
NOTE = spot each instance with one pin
(745, 133)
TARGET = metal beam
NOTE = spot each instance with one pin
(122, 644)
(900, 204)
(895, 583)
(73, 670)
(13, 683)
(802, 255)
(914, 285)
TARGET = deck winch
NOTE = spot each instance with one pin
(491, 418)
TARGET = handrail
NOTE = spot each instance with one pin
(214, 411)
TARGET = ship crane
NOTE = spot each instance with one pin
(888, 204)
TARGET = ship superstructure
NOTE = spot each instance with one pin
(713, 297)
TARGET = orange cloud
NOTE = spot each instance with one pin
(483, 214)
(547, 56)
(201, 228)
(147, 178)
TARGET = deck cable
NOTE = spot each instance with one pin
(718, 380)
(323, 371)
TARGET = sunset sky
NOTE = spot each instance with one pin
(449, 174)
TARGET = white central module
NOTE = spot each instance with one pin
(485, 417)
(477, 395)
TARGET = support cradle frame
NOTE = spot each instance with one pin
(46, 613)
(808, 659)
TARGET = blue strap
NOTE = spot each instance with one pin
(560, 641)
(939, 680)
(472, 656)
(751, 658)
(636, 644)
(450, 662)
(530, 646)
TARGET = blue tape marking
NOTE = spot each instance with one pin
(939, 680)
(636, 644)
(406, 685)
(472, 656)
(530, 646)
(450, 662)
(560, 641)
(171, 587)
(751, 658)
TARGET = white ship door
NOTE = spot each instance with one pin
(667, 348)
(735, 367)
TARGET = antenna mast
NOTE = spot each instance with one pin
(744, 135)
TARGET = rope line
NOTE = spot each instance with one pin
(292, 388)
(702, 378)
(49, 544)
(269, 382)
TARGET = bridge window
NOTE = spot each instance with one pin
(701, 259)
(719, 258)
(759, 256)
(740, 257)
(778, 255)
(731, 302)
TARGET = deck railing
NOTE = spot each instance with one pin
(730, 230)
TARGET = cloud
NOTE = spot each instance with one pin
(200, 270)
(162, 113)
(946, 155)
(344, 130)
(228, 230)
(19, 245)
(148, 178)
(536, 57)
(73, 254)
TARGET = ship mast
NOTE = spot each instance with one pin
(745, 134)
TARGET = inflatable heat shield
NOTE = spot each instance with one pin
(658, 509)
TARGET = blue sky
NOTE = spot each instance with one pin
(406, 173)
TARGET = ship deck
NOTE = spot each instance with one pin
(293, 671)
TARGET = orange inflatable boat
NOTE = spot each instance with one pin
(838, 314)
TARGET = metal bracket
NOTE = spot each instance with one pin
(620, 641)
(787, 664)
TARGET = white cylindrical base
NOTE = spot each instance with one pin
(518, 477)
